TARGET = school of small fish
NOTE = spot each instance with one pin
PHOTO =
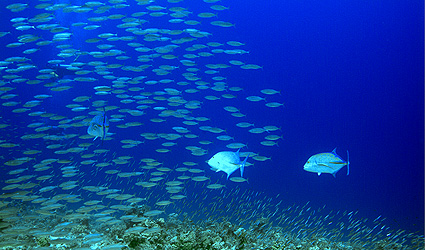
(153, 81)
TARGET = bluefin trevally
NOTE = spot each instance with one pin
(99, 126)
(327, 163)
(227, 161)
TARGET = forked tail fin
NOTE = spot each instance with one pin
(104, 124)
(243, 164)
(348, 163)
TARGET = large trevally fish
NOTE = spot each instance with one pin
(327, 163)
(99, 126)
(227, 162)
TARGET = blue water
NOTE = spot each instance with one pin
(351, 76)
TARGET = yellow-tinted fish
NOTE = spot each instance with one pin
(327, 163)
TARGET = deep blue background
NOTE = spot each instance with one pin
(352, 77)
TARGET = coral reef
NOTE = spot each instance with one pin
(131, 229)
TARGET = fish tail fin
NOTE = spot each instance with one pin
(103, 125)
(243, 164)
(348, 163)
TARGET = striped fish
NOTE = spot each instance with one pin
(327, 163)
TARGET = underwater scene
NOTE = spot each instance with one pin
(211, 124)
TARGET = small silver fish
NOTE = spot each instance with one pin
(327, 163)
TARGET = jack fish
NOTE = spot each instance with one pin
(99, 126)
(227, 162)
(327, 163)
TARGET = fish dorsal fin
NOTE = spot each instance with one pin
(334, 151)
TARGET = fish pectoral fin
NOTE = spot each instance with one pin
(323, 165)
